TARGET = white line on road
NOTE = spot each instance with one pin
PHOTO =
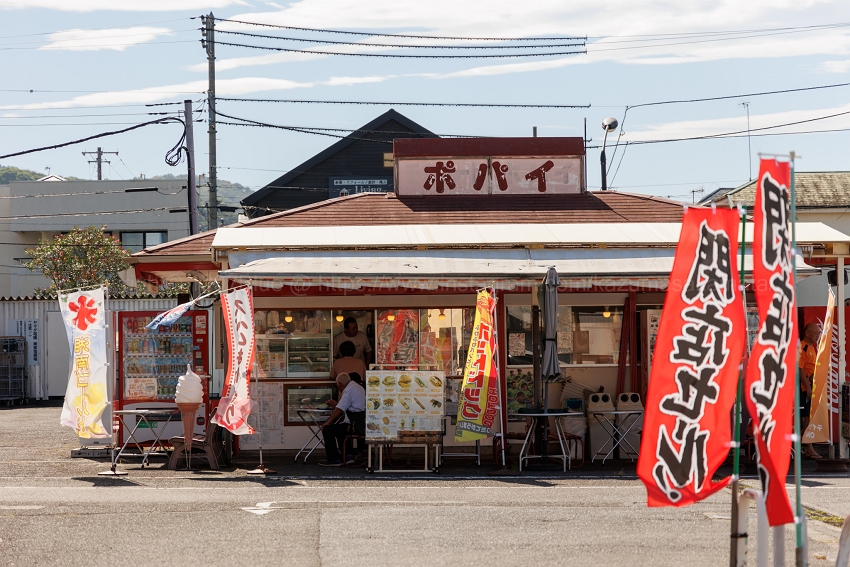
(21, 507)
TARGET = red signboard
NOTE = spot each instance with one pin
(771, 371)
(698, 350)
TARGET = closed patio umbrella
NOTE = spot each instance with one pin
(550, 369)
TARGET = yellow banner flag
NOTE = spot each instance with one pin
(479, 397)
(818, 429)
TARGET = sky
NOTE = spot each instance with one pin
(76, 69)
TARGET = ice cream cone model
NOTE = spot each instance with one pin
(189, 396)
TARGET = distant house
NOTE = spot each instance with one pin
(138, 213)
(821, 197)
(359, 163)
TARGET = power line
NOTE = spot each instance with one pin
(455, 38)
(401, 56)
(726, 97)
(97, 29)
(90, 214)
(71, 108)
(371, 103)
(110, 192)
(96, 38)
(70, 47)
(400, 46)
(293, 129)
(691, 34)
(165, 120)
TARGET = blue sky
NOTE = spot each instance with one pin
(93, 64)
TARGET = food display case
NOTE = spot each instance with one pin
(150, 361)
(306, 396)
(293, 344)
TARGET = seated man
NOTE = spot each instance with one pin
(348, 363)
(349, 412)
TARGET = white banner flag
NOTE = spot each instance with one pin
(237, 307)
(84, 313)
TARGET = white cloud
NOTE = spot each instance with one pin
(95, 40)
(836, 66)
(120, 5)
(693, 128)
(347, 81)
(608, 26)
(268, 59)
(224, 87)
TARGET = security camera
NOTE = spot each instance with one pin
(609, 124)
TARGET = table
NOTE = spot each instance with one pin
(616, 430)
(315, 419)
(559, 431)
(143, 415)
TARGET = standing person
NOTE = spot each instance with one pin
(347, 362)
(808, 361)
(362, 348)
(349, 411)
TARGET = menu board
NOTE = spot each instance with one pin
(404, 400)
(266, 417)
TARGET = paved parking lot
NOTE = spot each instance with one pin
(55, 510)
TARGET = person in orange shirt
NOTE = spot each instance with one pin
(808, 361)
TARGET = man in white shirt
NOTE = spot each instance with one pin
(362, 348)
(349, 413)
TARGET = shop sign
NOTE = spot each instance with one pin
(698, 349)
(343, 186)
(84, 314)
(825, 379)
(479, 398)
(489, 175)
(770, 383)
(237, 308)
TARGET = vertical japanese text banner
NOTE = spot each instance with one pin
(693, 382)
(770, 382)
(826, 372)
(237, 308)
(87, 394)
(479, 397)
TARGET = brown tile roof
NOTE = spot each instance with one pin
(384, 209)
(815, 190)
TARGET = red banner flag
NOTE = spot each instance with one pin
(773, 360)
(698, 350)
(237, 308)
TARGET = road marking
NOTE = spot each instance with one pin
(21, 507)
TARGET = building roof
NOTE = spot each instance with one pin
(370, 131)
(375, 209)
(815, 190)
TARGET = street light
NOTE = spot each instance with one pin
(609, 125)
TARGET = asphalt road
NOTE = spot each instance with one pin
(55, 510)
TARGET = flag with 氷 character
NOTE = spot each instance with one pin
(87, 395)
(698, 349)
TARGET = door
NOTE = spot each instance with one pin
(58, 356)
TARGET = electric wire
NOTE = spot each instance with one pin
(372, 103)
(400, 56)
(399, 46)
(408, 36)
(166, 120)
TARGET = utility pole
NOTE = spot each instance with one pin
(209, 43)
(190, 160)
(746, 105)
(99, 161)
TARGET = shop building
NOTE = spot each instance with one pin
(406, 265)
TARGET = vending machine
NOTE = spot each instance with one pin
(149, 363)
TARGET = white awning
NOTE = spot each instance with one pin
(488, 235)
(647, 267)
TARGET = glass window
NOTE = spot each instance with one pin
(586, 335)
(293, 343)
(306, 398)
(364, 320)
(419, 337)
(137, 241)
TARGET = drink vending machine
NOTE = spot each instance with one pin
(149, 363)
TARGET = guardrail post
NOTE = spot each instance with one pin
(779, 546)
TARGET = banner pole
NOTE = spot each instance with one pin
(801, 560)
(736, 444)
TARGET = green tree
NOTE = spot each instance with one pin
(82, 257)
(87, 257)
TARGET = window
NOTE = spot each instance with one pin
(138, 241)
